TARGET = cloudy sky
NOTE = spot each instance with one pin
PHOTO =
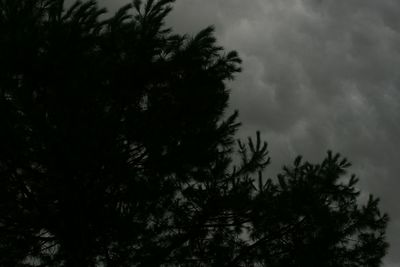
(317, 75)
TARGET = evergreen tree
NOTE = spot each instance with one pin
(115, 151)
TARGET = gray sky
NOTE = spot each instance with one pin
(317, 75)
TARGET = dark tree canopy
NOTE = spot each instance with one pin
(115, 150)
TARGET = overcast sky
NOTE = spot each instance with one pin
(317, 75)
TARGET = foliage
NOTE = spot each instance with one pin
(115, 151)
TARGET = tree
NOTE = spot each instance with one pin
(115, 150)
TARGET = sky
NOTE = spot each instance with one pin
(317, 75)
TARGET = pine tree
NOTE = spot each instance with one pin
(115, 150)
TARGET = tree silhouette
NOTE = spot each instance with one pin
(115, 150)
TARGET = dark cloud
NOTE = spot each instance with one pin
(317, 75)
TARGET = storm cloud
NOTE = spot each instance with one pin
(317, 75)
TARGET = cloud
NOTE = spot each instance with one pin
(317, 75)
